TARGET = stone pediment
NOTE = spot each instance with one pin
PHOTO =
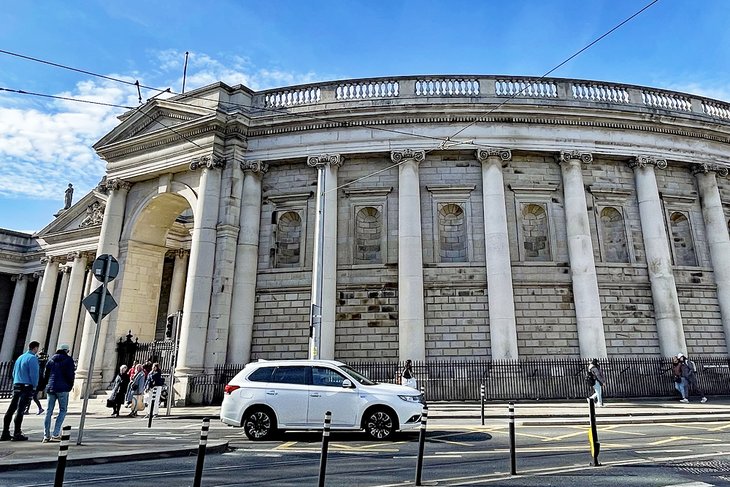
(156, 116)
(84, 216)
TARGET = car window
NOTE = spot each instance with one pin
(290, 375)
(261, 375)
(322, 376)
(358, 376)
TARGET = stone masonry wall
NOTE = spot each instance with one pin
(281, 325)
(701, 319)
(367, 324)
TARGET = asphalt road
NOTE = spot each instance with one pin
(458, 452)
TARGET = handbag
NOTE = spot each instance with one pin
(138, 403)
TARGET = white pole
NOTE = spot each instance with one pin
(316, 308)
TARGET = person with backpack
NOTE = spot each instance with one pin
(679, 382)
(595, 377)
(689, 373)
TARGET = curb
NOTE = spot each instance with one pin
(117, 457)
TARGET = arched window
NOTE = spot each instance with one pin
(613, 232)
(535, 232)
(684, 250)
(452, 233)
(288, 239)
(368, 234)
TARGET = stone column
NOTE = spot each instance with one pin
(196, 309)
(58, 311)
(717, 236)
(247, 255)
(177, 286)
(111, 231)
(36, 299)
(330, 163)
(72, 303)
(658, 258)
(16, 310)
(411, 322)
(589, 318)
(502, 325)
(42, 318)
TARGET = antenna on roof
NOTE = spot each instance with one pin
(185, 71)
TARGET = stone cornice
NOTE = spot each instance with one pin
(325, 160)
(644, 161)
(706, 168)
(503, 154)
(398, 156)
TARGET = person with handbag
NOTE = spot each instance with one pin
(135, 394)
(407, 378)
(119, 391)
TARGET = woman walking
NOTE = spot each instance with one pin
(599, 380)
(119, 391)
(135, 393)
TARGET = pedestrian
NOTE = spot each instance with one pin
(133, 370)
(153, 386)
(679, 382)
(406, 377)
(119, 391)
(135, 393)
(599, 380)
(25, 380)
(147, 367)
(61, 372)
(689, 373)
(42, 361)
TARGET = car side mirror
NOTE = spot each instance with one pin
(347, 384)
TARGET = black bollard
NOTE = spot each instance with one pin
(153, 401)
(421, 444)
(423, 392)
(593, 434)
(325, 445)
(482, 394)
(201, 452)
(62, 454)
(512, 456)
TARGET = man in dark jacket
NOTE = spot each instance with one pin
(60, 372)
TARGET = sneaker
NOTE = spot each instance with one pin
(684, 400)
(55, 437)
(20, 437)
(5, 437)
(41, 411)
(704, 399)
(46, 440)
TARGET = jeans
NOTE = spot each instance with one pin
(62, 398)
(681, 387)
(599, 392)
(22, 394)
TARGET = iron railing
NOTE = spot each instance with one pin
(162, 352)
(558, 378)
(6, 379)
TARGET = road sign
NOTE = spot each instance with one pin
(93, 301)
(99, 267)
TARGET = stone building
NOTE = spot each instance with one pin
(464, 217)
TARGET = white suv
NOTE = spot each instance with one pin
(267, 396)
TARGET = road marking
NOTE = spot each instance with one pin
(568, 435)
(612, 429)
(678, 438)
(691, 484)
(719, 428)
(650, 452)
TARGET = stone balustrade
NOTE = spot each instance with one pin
(491, 90)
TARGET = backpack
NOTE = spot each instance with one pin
(590, 378)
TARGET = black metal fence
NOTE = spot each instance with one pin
(162, 352)
(6, 379)
(558, 378)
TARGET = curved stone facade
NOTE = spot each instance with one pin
(462, 217)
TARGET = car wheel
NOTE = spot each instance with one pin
(379, 424)
(259, 424)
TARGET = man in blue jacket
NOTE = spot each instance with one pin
(25, 380)
(60, 371)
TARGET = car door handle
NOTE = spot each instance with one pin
(271, 393)
(315, 394)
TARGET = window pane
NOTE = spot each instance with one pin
(290, 375)
(322, 376)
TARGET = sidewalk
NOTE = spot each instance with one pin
(107, 439)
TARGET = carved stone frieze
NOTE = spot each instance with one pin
(258, 167)
(402, 155)
(643, 161)
(567, 156)
(94, 215)
(207, 162)
(707, 167)
(503, 154)
(325, 160)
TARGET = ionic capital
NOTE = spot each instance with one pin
(38, 274)
(405, 154)
(574, 155)
(116, 184)
(256, 167)
(503, 154)
(325, 160)
(643, 161)
(707, 167)
(182, 253)
(71, 256)
(207, 162)
(17, 277)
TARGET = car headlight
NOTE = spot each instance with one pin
(410, 398)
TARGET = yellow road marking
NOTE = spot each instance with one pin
(678, 438)
(286, 445)
(567, 435)
(613, 430)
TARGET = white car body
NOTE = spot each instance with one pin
(327, 386)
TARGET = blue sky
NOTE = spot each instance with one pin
(45, 144)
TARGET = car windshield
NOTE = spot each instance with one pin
(358, 376)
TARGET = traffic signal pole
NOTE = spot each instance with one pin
(87, 386)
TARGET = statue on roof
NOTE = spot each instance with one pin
(69, 196)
